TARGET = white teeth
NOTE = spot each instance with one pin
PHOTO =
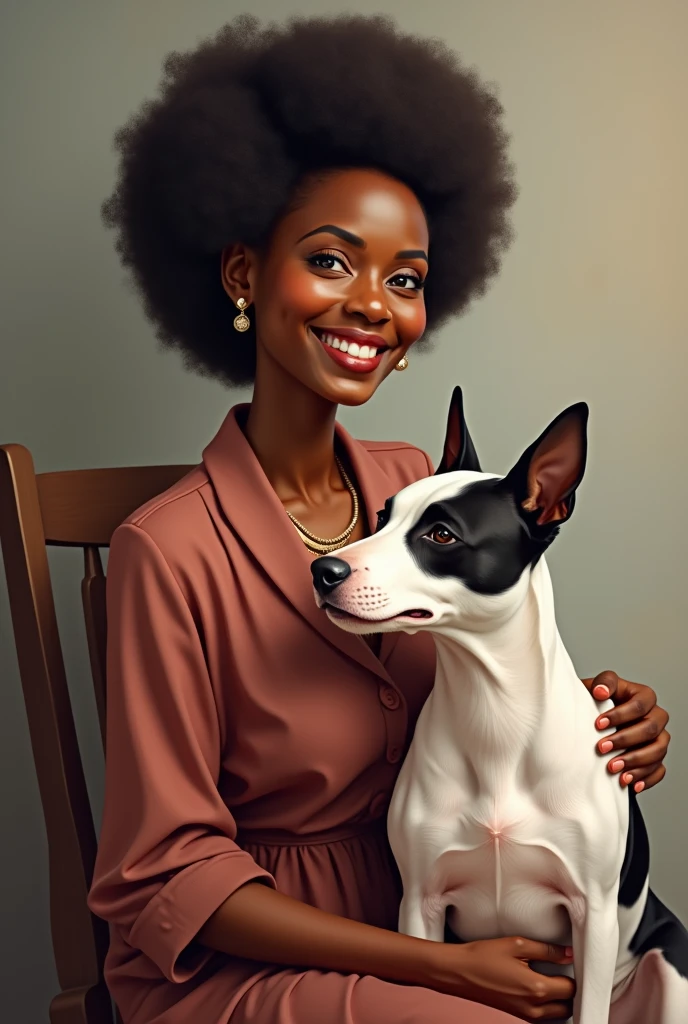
(353, 348)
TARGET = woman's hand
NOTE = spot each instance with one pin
(497, 972)
(641, 730)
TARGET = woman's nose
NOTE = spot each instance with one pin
(368, 298)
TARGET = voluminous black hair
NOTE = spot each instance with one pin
(246, 117)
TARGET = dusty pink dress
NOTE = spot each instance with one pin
(248, 737)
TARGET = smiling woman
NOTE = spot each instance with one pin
(356, 350)
(344, 296)
(252, 746)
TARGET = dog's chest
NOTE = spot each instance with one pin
(507, 865)
(504, 842)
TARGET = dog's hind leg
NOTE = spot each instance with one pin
(655, 994)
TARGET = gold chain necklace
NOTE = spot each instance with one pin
(324, 545)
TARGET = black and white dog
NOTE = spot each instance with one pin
(504, 818)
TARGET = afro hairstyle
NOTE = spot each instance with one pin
(243, 119)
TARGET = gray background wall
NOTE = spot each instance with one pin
(592, 303)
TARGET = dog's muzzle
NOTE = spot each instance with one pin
(328, 573)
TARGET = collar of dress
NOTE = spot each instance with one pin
(256, 514)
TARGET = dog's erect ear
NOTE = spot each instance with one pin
(545, 478)
(459, 452)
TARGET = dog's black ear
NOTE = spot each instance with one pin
(459, 452)
(545, 478)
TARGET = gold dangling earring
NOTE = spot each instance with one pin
(241, 322)
(402, 364)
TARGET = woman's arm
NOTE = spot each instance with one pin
(262, 924)
(167, 856)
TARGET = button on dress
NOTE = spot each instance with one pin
(249, 739)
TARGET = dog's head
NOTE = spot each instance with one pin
(456, 549)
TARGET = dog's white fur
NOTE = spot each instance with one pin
(504, 815)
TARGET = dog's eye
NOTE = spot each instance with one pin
(441, 535)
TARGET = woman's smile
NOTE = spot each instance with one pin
(358, 351)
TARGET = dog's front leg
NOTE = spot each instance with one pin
(422, 918)
(595, 928)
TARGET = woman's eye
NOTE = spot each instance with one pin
(326, 261)
(409, 282)
(441, 535)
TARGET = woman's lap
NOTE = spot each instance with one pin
(325, 997)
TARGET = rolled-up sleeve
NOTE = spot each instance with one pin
(167, 857)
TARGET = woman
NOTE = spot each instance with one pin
(296, 208)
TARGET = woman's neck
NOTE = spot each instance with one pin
(291, 431)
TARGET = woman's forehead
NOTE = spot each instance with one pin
(366, 203)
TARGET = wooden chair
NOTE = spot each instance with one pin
(74, 508)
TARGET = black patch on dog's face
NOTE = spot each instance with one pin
(384, 515)
(493, 542)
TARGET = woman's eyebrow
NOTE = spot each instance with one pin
(347, 236)
(332, 229)
(412, 254)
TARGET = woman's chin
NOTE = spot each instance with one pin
(344, 389)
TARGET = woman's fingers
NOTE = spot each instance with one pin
(641, 734)
(556, 988)
(530, 949)
(634, 712)
(552, 1011)
(641, 757)
(604, 685)
(644, 778)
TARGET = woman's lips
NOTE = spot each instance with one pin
(345, 359)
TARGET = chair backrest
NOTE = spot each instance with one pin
(73, 508)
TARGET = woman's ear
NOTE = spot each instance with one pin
(459, 452)
(238, 267)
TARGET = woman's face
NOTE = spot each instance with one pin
(338, 293)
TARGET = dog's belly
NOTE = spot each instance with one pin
(505, 887)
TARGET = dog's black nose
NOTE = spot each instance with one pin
(328, 573)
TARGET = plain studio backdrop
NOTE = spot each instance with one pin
(591, 304)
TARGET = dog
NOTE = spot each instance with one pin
(504, 820)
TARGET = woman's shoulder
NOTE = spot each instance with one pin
(169, 525)
(403, 461)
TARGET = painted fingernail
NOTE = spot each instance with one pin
(639, 787)
(569, 951)
(601, 692)
(606, 746)
(603, 723)
(617, 765)
(628, 778)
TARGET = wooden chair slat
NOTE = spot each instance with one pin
(80, 508)
(77, 936)
(82, 1004)
(93, 601)
(84, 506)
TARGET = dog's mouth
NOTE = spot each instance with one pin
(341, 615)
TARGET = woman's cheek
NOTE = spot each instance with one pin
(411, 323)
(300, 293)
